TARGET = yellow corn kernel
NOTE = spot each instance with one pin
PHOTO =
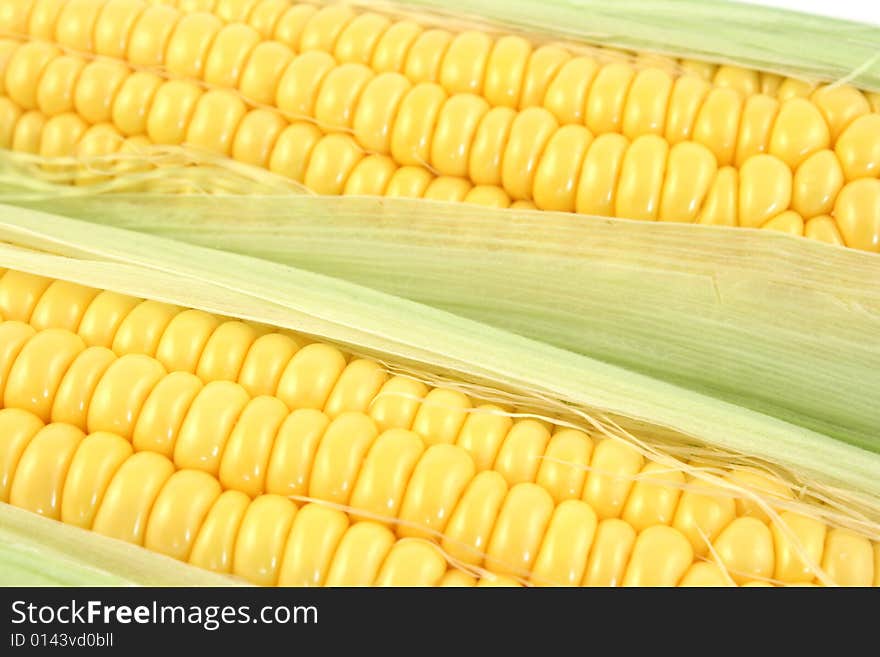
(563, 468)
(756, 125)
(39, 366)
(331, 162)
(208, 424)
(799, 131)
(308, 552)
(127, 501)
(256, 136)
(824, 229)
(412, 562)
(173, 526)
(646, 103)
(14, 16)
(24, 69)
(338, 96)
(292, 150)
(487, 148)
(454, 132)
(150, 35)
(437, 483)
(248, 449)
(215, 120)
(717, 123)
(654, 496)
(121, 393)
(610, 553)
(323, 28)
(359, 39)
(746, 549)
(800, 544)
(18, 429)
(703, 573)
(816, 184)
(519, 458)
(162, 414)
(690, 171)
(77, 388)
(414, 124)
(408, 182)
(10, 115)
(641, 178)
(702, 513)
(293, 452)
(529, 134)
(765, 184)
(566, 95)
(370, 176)
(556, 177)
(746, 81)
(685, 101)
(394, 45)
(858, 147)
(441, 416)
(376, 110)
(447, 188)
(338, 459)
(840, 105)
(261, 538)
(857, 214)
(41, 470)
(562, 558)
(291, 22)
(610, 478)
(234, 11)
(660, 557)
(397, 403)
(721, 205)
(607, 98)
(518, 531)
(792, 88)
(458, 579)
(786, 222)
(466, 535)
(360, 555)
(506, 70)
(386, 471)
(55, 93)
(264, 18)
(848, 559)
(96, 460)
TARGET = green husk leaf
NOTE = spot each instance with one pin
(815, 48)
(766, 321)
(35, 551)
(406, 332)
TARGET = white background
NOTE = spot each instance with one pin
(865, 11)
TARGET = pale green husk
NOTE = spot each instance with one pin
(777, 324)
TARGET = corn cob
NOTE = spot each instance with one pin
(611, 139)
(521, 499)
